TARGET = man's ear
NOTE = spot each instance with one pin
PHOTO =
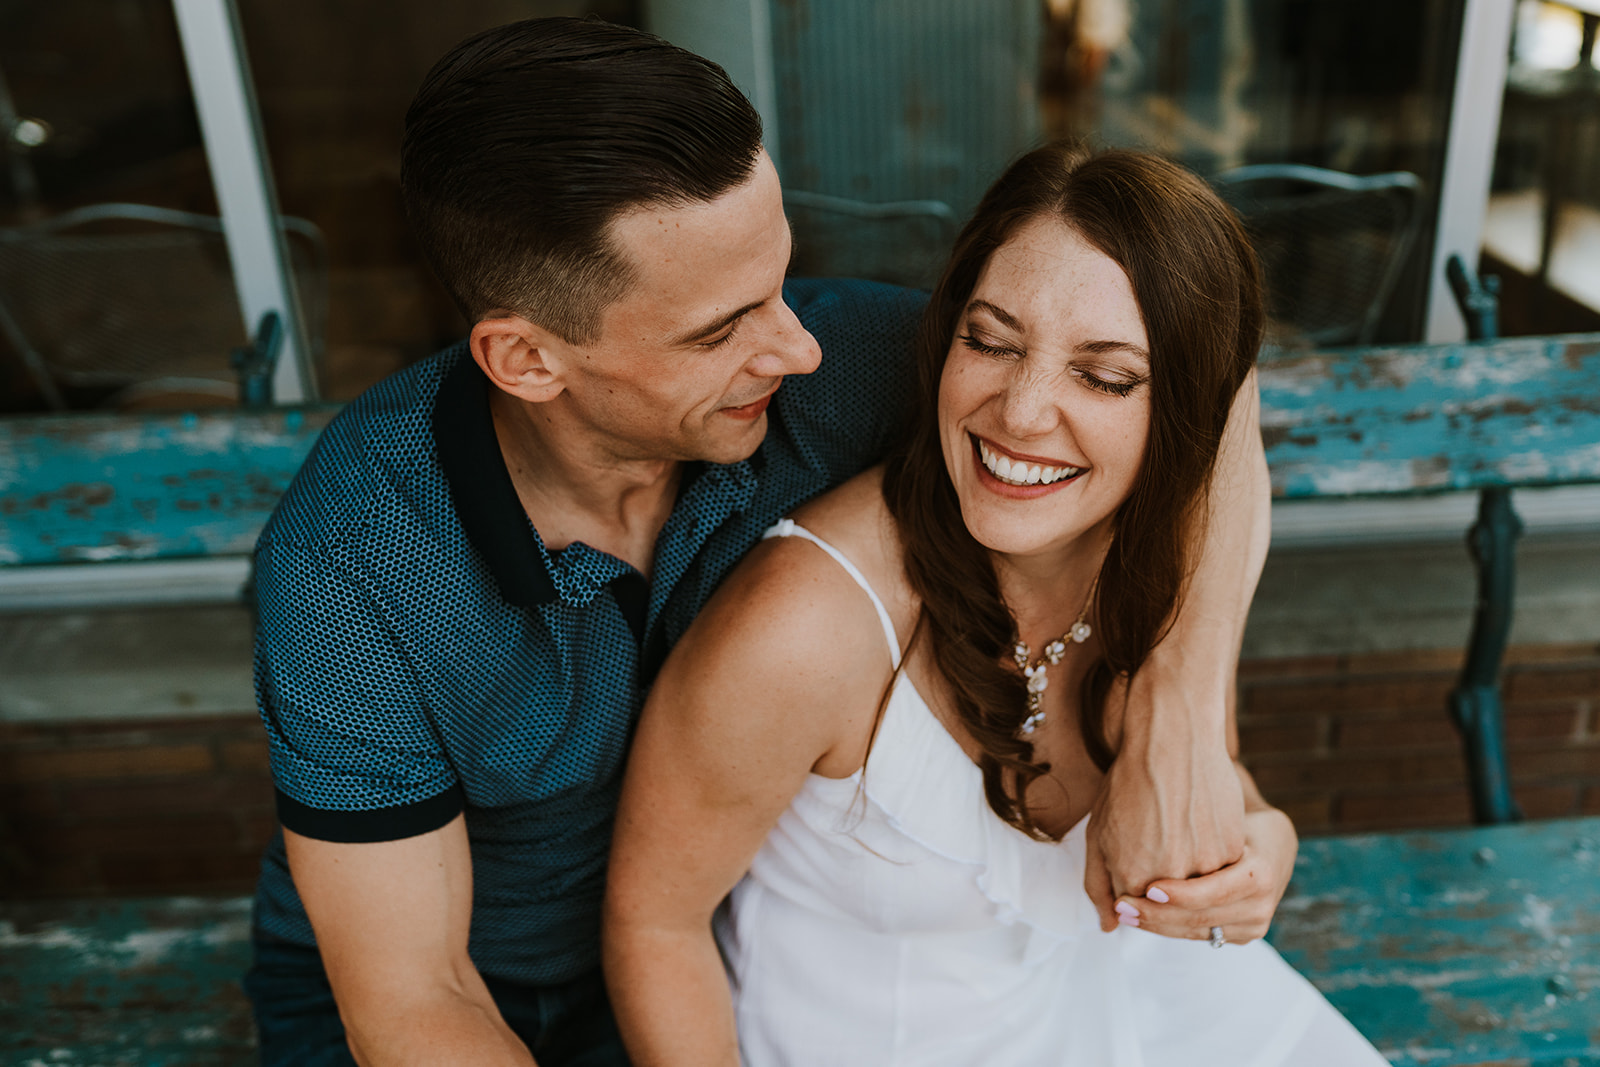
(520, 357)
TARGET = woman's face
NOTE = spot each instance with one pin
(1044, 404)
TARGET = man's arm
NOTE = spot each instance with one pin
(391, 920)
(1171, 805)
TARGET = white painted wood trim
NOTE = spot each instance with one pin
(215, 580)
(1377, 521)
(224, 96)
(1480, 85)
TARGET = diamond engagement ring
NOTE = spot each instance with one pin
(1217, 940)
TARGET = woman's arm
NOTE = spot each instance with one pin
(1171, 805)
(779, 674)
(1241, 897)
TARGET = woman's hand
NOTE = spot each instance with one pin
(1241, 897)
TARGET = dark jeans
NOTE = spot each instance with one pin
(298, 1025)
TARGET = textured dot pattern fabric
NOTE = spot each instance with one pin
(412, 662)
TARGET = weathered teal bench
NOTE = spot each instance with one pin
(142, 983)
(78, 489)
(1472, 946)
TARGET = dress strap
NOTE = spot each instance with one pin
(790, 528)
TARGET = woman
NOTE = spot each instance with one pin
(896, 712)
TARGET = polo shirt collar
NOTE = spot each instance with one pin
(486, 502)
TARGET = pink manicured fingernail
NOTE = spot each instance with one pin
(1156, 894)
(1127, 911)
(1128, 920)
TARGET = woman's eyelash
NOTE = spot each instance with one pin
(985, 348)
(1100, 385)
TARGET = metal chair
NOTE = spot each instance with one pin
(1332, 245)
(137, 298)
(903, 242)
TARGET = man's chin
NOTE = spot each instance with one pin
(725, 448)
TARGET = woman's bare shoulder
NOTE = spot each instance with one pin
(784, 663)
(789, 589)
(789, 649)
(854, 519)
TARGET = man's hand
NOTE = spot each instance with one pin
(1241, 898)
(1170, 807)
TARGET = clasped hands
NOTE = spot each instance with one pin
(1181, 841)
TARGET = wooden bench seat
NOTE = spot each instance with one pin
(142, 983)
(1456, 947)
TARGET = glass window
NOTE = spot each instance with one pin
(1542, 226)
(908, 101)
(95, 110)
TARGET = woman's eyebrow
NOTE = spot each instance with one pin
(1096, 348)
(1004, 317)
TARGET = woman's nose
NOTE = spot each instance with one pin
(1027, 408)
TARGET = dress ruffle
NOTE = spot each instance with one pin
(927, 788)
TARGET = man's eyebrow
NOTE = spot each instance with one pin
(1095, 348)
(709, 328)
(1005, 317)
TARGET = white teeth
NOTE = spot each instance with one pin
(1020, 473)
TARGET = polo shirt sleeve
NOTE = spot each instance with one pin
(355, 756)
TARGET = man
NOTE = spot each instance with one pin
(465, 592)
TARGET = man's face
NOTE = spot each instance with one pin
(688, 359)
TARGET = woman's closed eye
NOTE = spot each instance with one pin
(988, 348)
(1120, 385)
(1109, 386)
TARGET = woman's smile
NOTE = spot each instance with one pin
(1018, 476)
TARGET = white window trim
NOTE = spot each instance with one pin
(230, 123)
(1480, 85)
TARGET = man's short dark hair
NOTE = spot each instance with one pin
(527, 140)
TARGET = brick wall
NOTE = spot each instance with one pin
(1342, 743)
(1347, 743)
(159, 807)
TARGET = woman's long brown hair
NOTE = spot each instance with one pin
(1198, 287)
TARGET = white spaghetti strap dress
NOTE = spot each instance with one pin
(892, 919)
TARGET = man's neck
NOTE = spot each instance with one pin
(574, 487)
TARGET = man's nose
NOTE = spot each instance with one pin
(787, 347)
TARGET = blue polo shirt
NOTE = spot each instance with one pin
(420, 653)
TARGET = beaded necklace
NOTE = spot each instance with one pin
(1034, 671)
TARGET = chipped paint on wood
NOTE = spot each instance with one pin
(1456, 947)
(1419, 418)
(88, 488)
(153, 983)
(1431, 418)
